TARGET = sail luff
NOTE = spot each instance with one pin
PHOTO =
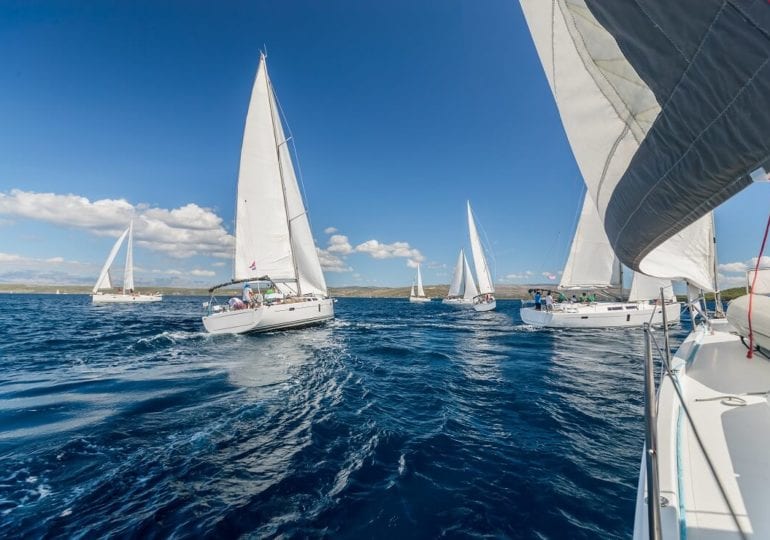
(455, 288)
(128, 272)
(104, 281)
(479, 261)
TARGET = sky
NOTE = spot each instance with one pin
(400, 112)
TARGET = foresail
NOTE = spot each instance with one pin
(457, 277)
(648, 288)
(262, 245)
(128, 272)
(479, 261)
(308, 266)
(104, 277)
(470, 291)
(666, 106)
(591, 262)
(420, 290)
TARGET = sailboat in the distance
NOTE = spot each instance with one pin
(463, 289)
(126, 294)
(420, 296)
(274, 247)
(485, 299)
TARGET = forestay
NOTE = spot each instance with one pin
(652, 97)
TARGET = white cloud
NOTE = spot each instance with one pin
(330, 230)
(202, 273)
(180, 232)
(218, 264)
(55, 260)
(9, 257)
(727, 282)
(331, 262)
(733, 267)
(378, 250)
(338, 243)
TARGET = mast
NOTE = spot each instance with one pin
(280, 174)
(620, 273)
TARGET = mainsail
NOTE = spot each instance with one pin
(654, 98)
(648, 288)
(104, 277)
(469, 285)
(479, 261)
(591, 262)
(272, 230)
(128, 273)
(455, 288)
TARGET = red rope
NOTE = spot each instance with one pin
(750, 354)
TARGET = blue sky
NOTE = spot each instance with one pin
(400, 112)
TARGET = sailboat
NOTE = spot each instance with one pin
(592, 264)
(274, 247)
(666, 106)
(484, 300)
(126, 293)
(420, 296)
(463, 289)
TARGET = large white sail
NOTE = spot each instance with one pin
(644, 287)
(479, 261)
(303, 249)
(469, 284)
(128, 272)
(653, 159)
(262, 245)
(420, 290)
(591, 262)
(457, 277)
(104, 277)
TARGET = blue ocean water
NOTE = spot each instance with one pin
(394, 420)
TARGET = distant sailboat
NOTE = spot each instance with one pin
(463, 289)
(274, 246)
(420, 296)
(484, 300)
(592, 264)
(127, 293)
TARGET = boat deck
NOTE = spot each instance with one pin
(735, 432)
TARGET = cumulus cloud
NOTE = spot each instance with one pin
(331, 262)
(330, 230)
(9, 257)
(745, 266)
(180, 232)
(338, 243)
(733, 267)
(378, 250)
(202, 273)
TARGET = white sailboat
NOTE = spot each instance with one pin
(420, 296)
(274, 246)
(592, 264)
(463, 289)
(484, 300)
(663, 133)
(126, 295)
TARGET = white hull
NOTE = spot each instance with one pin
(709, 367)
(109, 298)
(270, 317)
(485, 306)
(458, 302)
(601, 315)
(419, 299)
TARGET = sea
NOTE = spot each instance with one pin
(395, 420)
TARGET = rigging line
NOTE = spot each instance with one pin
(750, 353)
(701, 445)
(296, 153)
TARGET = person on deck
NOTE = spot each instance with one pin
(537, 300)
(562, 298)
(549, 302)
(584, 298)
(248, 294)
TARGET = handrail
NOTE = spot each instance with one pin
(650, 440)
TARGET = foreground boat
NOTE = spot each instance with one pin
(667, 109)
(463, 289)
(274, 246)
(485, 299)
(127, 294)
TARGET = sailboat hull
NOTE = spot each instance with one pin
(485, 306)
(419, 299)
(458, 302)
(109, 298)
(601, 315)
(267, 318)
